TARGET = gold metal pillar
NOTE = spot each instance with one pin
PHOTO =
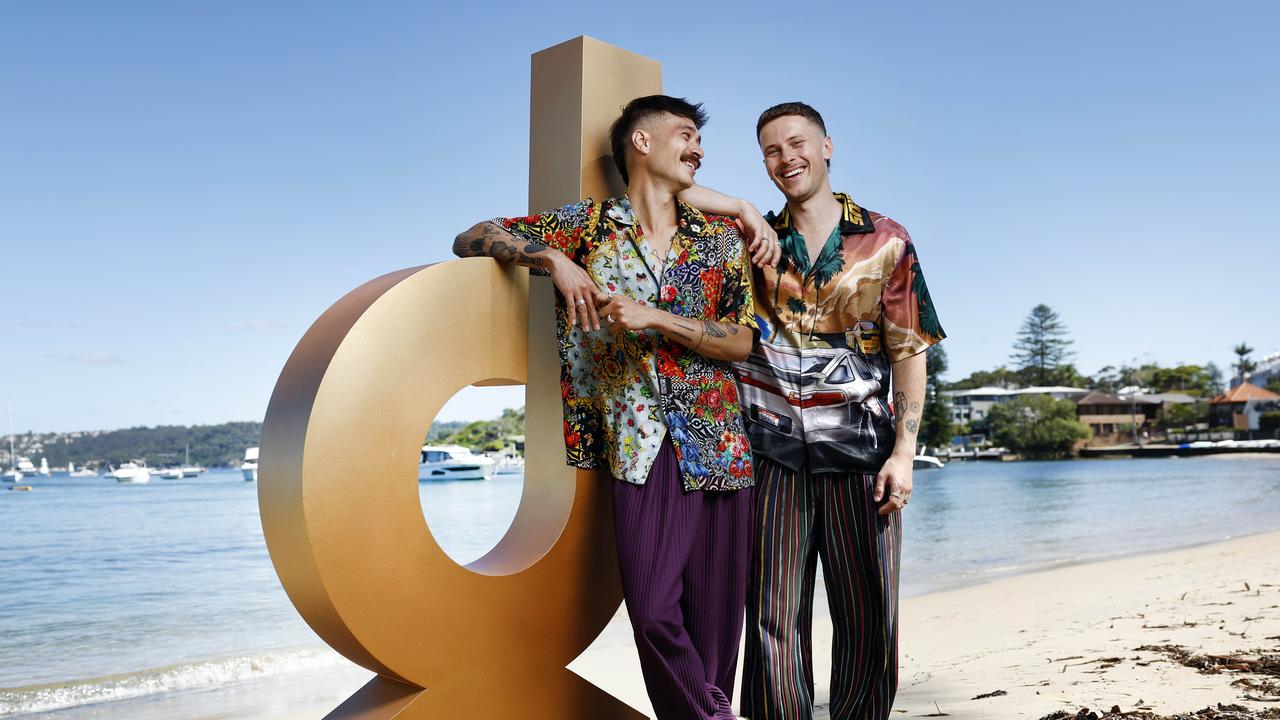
(338, 491)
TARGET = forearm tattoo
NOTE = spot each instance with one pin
(684, 331)
(909, 412)
(718, 330)
(492, 241)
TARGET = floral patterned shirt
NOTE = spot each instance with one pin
(624, 391)
(816, 386)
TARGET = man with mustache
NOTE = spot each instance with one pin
(654, 303)
(845, 314)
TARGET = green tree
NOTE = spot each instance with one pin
(1042, 344)
(1183, 414)
(1243, 365)
(1037, 426)
(1001, 377)
(1274, 386)
(936, 428)
(1215, 384)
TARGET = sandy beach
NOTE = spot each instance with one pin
(1096, 635)
(1123, 633)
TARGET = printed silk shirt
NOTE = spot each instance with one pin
(623, 391)
(816, 388)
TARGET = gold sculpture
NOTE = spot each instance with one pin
(338, 489)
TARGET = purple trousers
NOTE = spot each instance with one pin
(684, 558)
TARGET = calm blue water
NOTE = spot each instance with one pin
(173, 578)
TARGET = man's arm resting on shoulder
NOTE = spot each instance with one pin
(486, 239)
(908, 405)
(763, 241)
(716, 340)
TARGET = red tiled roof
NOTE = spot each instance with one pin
(1244, 393)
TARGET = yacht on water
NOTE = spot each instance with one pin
(81, 473)
(186, 471)
(134, 472)
(44, 467)
(250, 465)
(453, 462)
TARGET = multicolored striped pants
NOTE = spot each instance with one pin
(801, 518)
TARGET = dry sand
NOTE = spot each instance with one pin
(1058, 639)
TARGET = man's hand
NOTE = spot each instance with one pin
(622, 313)
(895, 476)
(579, 291)
(763, 241)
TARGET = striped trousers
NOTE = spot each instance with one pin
(801, 518)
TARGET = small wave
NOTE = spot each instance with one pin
(171, 678)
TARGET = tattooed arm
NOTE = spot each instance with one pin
(716, 340)
(580, 293)
(908, 405)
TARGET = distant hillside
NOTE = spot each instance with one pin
(216, 445)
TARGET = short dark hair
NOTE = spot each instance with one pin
(638, 110)
(791, 108)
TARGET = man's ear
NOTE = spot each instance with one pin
(827, 148)
(640, 141)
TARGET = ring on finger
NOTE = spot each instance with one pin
(580, 301)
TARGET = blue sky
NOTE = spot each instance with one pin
(185, 187)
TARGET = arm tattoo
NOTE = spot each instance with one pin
(494, 242)
(916, 407)
(912, 425)
(682, 335)
(900, 401)
(713, 329)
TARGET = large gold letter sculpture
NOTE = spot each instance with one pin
(338, 480)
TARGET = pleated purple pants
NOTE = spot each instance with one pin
(684, 558)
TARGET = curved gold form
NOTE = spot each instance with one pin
(338, 490)
(343, 521)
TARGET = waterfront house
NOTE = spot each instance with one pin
(1242, 406)
(1108, 414)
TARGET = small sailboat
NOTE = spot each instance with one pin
(44, 467)
(13, 475)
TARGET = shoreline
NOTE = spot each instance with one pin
(998, 634)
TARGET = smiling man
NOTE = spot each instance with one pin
(654, 303)
(843, 317)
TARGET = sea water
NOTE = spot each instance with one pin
(110, 592)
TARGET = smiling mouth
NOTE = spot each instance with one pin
(793, 172)
(693, 165)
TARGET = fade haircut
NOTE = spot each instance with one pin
(641, 109)
(791, 108)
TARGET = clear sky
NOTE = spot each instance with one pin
(185, 187)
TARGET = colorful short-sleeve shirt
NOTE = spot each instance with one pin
(816, 388)
(624, 391)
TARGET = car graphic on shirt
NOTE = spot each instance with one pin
(836, 387)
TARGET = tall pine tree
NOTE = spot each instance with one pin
(1042, 345)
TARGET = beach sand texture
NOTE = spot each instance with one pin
(1059, 639)
(1064, 639)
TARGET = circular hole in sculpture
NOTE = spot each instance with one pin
(471, 470)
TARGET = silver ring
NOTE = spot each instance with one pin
(580, 301)
(897, 495)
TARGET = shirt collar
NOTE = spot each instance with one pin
(854, 219)
(689, 220)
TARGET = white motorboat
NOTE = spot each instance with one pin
(133, 473)
(26, 467)
(926, 462)
(81, 473)
(13, 475)
(44, 467)
(453, 462)
(249, 468)
(510, 465)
